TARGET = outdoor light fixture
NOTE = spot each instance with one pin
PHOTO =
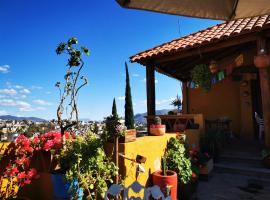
(262, 60)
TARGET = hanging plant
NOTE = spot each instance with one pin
(201, 76)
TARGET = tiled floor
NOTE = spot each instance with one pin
(232, 187)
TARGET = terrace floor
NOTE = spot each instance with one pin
(222, 186)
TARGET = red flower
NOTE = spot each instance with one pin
(21, 175)
(27, 181)
(32, 173)
(48, 145)
(194, 175)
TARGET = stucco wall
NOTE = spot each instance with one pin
(223, 100)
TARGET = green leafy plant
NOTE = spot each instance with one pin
(201, 76)
(178, 160)
(73, 82)
(177, 102)
(113, 127)
(88, 164)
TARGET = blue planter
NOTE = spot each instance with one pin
(61, 188)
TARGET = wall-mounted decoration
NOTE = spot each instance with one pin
(245, 94)
(244, 83)
(239, 60)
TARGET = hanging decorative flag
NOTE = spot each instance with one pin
(221, 75)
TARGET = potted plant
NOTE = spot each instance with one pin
(266, 158)
(166, 180)
(201, 76)
(88, 165)
(179, 161)
(113, 125)
(177, 102)
(202, 161)
(157, 128)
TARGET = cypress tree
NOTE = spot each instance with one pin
(114, 109)
(129, 116)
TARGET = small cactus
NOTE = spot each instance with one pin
(164, 166)
(157, 121)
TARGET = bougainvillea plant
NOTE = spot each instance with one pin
(16, 170)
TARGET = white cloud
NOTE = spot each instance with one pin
(40, 108)
(121, 98)
(3, 112)
(135, 75)
(7, 102)
(4, 69)
(42, 102)
(8, 91)
(25, 91)
(21, 105)
(18, 86)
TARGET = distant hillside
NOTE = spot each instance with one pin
(10, 117)
(140, 117)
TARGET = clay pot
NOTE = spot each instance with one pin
(213, 67)
(262, 61)
(157, 130)
(169, 180)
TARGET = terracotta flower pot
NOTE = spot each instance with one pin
(262, 61)
(157, 130)
(163, 181)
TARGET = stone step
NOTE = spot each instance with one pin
(235, 168)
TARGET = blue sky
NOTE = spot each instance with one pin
(30, 31)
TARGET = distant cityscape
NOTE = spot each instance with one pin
(12, 126)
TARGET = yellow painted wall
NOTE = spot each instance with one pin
(151, 147)
(225, 99)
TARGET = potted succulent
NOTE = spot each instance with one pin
(157, 128)
(166, 180)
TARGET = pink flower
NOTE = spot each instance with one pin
(36, 140)
(27, 181)
(48, 145)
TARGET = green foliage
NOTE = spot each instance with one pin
(114, 109)
(201, 76)
(129, 115)
(178, 160)
(177, 102)
(157, 120)
(73, 82)
(112, 125)
(86, 162)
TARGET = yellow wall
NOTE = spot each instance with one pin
(151, 147)
(225, 99)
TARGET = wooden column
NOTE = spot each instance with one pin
(150, 91)
(185, 98)
(265, 87)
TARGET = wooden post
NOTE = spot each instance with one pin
(116, 152)
(150, 92)
(265, 90)
(185, 94)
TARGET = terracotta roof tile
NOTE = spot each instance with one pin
(217, 32)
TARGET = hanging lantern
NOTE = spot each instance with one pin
(262, 60)
(213, 67)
